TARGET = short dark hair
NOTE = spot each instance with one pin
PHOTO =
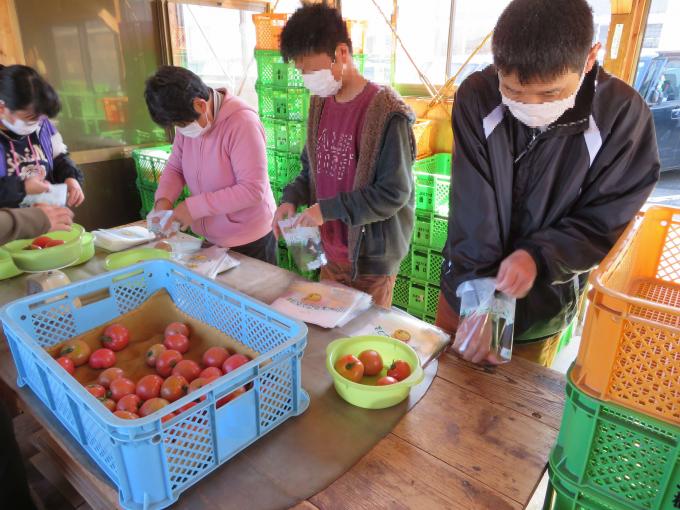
(314, 28)
(543, 38)
(170, 95)
(22, 88)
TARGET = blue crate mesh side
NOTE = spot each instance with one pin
(62, 405)
(189, 449)
(276, 393)
(131, 293)
(260, 334)
(98, 441)
(31, 376)
(53, 323)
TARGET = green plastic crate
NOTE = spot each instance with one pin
(360, 62)
(438, 164)
(270, 132)
(405, 266)
(562, 495)
(271, 165)
(433, 183)
(286, 75)
(426, 265)
(430, 231)
(619, 456)
(423, 298)
(266, 61)
(282, 103)
(400, 294)
(288, 167)
(282, 256)
(265, 102)
(147, 192)
(289, 136)
(150, 163)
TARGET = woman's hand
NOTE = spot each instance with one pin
(35, 186)
(285, 210)
(75, 192)
(310, 217)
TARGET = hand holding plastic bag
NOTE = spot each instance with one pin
(157, 223)
(486, 330)
(304, 243)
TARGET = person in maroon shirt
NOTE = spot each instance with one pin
(356, 165)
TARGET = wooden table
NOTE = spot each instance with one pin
(479, 439)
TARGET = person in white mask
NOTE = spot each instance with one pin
(32, 152)
(356, 165)
(553, 157)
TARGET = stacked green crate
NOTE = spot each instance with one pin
(150, 163)
(417, 287)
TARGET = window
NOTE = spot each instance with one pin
(96, 57)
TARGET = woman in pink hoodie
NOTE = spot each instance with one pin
(219, 153)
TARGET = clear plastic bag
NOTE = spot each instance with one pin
(56, 196)
(488, 313)
(304, 243)
(157, 223)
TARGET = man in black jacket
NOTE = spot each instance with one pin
(553, 158)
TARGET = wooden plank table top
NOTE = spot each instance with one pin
(479, 438)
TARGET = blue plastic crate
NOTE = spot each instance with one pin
(152, 462)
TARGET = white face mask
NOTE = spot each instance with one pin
(193, 130)
(541, 114)
(21, 127)
(322, 83)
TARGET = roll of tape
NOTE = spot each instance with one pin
(42, 282)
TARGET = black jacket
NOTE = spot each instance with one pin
(564, 195)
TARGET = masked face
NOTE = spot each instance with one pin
(322, 83)
(194, 129)
(22, 127)
(322, 75)
(541, 104)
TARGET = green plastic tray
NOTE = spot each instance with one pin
(130, 257)
(7, 267)
(366, 395)
(56, 257)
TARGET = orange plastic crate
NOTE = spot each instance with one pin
(268, 28)
(630, 351)
(421, 132)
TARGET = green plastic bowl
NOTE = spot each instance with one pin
(7, 267)
(130, 257)
(369, 396)
(56, 257)
(87, 250)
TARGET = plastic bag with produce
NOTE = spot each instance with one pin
(304, 243)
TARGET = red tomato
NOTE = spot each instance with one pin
(97, 390)
(174, 388)
(210, 373)
(110, 374)
(116, 337)
(54, 242)
(126, 415)
(372, 361)
(109, 404)
(177, 342)
(77, 350)
(130, 403)
(176, 328)
(121, 387)
(41, 241)
(152, 354)
(350, 367)
(197, 384)
(166, 361)
(233, 362)
(236, 393)
(102, 358)
(149, 387)
(67, 364)
(186, 407)
(152, 405)
(168, 417)
(215, 357)
(399, 369)
(386, 381)
(187, 369)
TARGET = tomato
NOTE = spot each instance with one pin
(41, 241)
(168, 417)
(186, 407)
(167, 360)
(102, 358)
(177, 342)
(174, 388)
(149, 387)
(197, 384)
(399, 369)
(215, 357)
(350, 367)
(152, 405)
(372, 361)
(210, 373)
(176, 328)
(152, 354)
(116, 337)
(77, 350)
(130, 403)
(233, 362)
(187, 369)
(109, 375)
(121, 387)
(236, 393)
(386, 381)
(67, 364)
(126, 415)
(109, 404)
(97, 390)
(54, 242)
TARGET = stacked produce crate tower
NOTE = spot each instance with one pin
(283, 104)
(619, 443)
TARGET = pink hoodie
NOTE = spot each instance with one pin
(225, 169)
